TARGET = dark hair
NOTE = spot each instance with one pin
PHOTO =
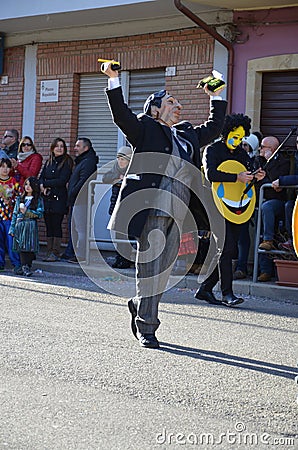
(66, 157)
(233, 121)
(154, 100)
(34, 183)
(86, 141)
(14, 132)
(31, 142)
(5, 161)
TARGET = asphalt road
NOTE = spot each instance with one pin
(74, 377)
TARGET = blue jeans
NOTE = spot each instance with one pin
(266, 264)
(6, 244)
(271, 210)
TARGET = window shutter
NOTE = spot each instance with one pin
(142, 83)
(95, 121)
(279, 105)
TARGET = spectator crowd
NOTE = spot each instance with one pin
(31, 190)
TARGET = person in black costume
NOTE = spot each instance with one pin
(164, 149)
(236, 126)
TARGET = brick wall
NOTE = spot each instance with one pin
(11, 95)
(190, 50)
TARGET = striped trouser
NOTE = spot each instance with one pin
(157, 251)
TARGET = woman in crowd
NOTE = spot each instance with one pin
(28, 162)
(28, 209)
(53, 181)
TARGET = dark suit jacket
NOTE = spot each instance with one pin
(154, 142)
(276, 167)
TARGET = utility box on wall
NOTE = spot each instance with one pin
(1, 52)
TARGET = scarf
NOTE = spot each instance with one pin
(116, 171)
(24, 155)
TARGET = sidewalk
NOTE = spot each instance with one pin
(245, 287)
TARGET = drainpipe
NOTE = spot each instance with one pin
(218, 38)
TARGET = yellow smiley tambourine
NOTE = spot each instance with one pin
(229, 198)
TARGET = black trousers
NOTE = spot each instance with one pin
(53, 223)
(225, 262)
(27, 258)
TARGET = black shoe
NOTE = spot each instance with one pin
(64, 257)
(231, 300)
(133, 312)
(125, 264)
(115, 263)
(148, 341)
(121, 263)
(27, 270)
(75, 260)
(208, 296)
(18, 270)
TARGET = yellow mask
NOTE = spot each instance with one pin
(235, 138)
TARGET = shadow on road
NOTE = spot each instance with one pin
(231, 360)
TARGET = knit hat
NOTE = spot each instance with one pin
(153, 100)
(125, 152)
(252, 141)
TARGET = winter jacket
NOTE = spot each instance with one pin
(24, 227)
(55, 177)
(30, 167)
(277, 166)
(12, 151)
(146, 135)
(9, 190)
(85, 166)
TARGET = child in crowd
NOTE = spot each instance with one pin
(250, 144)
(28, 209)
(115, 177)
(9, 190)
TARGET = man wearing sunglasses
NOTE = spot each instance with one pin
(10, 143)
(152, 202)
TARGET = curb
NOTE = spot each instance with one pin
(269, 290)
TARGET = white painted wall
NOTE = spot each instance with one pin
(29, 90)
(220, 63)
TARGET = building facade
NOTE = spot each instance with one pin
(52, 86)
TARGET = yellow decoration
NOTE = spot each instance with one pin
(227, 196)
